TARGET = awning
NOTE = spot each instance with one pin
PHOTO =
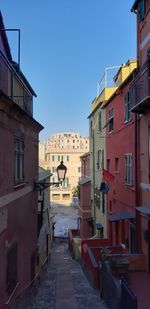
(144, 209)
(121, 216)
(84, 180)
(99, 226)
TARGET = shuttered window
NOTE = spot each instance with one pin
(100, 159)
(128, 169)
(127, 116)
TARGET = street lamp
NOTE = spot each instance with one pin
(61, 173)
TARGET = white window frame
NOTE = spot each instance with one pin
(128, 169)
(19, 160)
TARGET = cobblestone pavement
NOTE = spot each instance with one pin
(47, 292)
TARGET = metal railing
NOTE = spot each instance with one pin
(128, 299)
(13, 86)
(140, 90)
(110, 287)
(115, 291)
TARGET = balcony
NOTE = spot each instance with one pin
(15, 86)
(140, 91)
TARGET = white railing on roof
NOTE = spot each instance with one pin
(107, 80)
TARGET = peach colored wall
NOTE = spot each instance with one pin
(144, 160)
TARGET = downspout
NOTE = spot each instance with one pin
(136, 157)
(136, 178)
(94, 181)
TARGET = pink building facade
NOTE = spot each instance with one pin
(19, 135)
(140, 105)
(120, 163)
(85, 214)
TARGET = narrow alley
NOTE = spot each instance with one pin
(63, 285)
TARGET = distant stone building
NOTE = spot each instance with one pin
(67, 147)
(42, 157)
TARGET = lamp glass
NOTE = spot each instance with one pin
(61, 172)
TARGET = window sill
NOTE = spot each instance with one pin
(128, 185)
(19, 185)
(116, 172)
(127, 121)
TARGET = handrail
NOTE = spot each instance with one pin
(12, 294)
(10, 300)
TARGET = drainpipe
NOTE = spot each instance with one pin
(94, 181)
(136, 176)
(136, 157)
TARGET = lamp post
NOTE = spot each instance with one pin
(61, 173)
(42, 185)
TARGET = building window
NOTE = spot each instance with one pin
(102, 202)
(65, 183)
(19, 160)
(110, 206)
(67, 158)
(97, 197)
(62, 158)
(127, 108)
(79, 169)
(11, 274)
(128, 169)
(55, 197)
(141, 10)
(100, 159)
(108, 165)
(53, 180)
(66, 196)
(116, 164)
(53, 158)
(58, 158)
(100, 121)
(111, 120)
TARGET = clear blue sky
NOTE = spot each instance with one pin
(65, 47)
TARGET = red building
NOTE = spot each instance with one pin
(85, 214)
(140, 105)
(120, 154)
(19, 135)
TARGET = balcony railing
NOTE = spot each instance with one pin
(140, 91)
(13, 86)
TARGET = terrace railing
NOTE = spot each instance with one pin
(128, 299)
(13, 86)
(140, 90)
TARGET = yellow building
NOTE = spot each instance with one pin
(66, 147)
(112, 79)
(42, 157)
